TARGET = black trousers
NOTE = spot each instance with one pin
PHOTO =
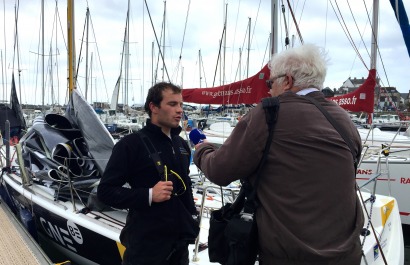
(178, 256)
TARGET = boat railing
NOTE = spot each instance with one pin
(402, 125)
(382, 157)
(372, 178)
(231, 191)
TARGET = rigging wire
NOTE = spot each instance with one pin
(81, 48)
(203, 70)
(286, 25)
(183, 38)
(159, 47)
(301, 13)
(98, 55)
(219, 53)
(362, 41)
(251, 33)
(254, 26)
(56, 20)
(3, 72)
(346, 31)
(96, 46)
(265, 54)
(234, 40)
(361, 34)
(296, 24)
(377, 47)
(156, 39)
(327, 12)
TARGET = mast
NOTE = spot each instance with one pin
(224, 46)
(71, 46)
(240, 63)
(152, 65)
(274, 28)
(91, 78)
(249, 47)
(199, 65)
(42, 55)
(373, 52)
(163, 40)
(127, 55)
(86, 51)
(375, 28)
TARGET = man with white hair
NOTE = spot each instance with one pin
(308, 212)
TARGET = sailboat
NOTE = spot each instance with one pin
(384, 153)
(361, 99)
(122, 123)
(50, 186)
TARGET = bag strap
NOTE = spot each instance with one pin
(152, 153)
(271, 107)
(338, 128)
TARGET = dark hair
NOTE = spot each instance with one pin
(155, 94)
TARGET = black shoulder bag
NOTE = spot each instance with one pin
(233, 233)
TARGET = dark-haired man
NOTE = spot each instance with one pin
(160, 222)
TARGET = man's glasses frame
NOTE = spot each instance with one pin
(270, 81)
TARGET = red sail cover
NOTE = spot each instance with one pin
(362, 99)
(247, 91)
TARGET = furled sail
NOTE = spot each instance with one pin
(97, 138)
(12, 113)
(247, 91)
(362, 99)
(15, 105)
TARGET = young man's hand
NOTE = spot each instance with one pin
(162, 191)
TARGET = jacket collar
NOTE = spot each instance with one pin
(157, 130)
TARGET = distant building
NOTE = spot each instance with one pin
(352, 84)
(387, 98)
(328, 92)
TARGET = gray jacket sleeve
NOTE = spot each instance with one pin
(239, 156)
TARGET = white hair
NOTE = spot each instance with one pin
(307, 64)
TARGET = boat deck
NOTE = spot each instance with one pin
(16, 245)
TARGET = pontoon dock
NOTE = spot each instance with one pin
(16, 245)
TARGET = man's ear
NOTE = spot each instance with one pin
(288, 82)
(153, 107)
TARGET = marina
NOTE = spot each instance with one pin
(50, 212)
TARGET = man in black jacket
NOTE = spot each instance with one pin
(155, 164)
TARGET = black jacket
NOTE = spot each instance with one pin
(151, 230)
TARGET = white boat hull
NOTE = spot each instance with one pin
(393, 181)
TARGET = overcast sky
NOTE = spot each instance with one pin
(190, 27)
